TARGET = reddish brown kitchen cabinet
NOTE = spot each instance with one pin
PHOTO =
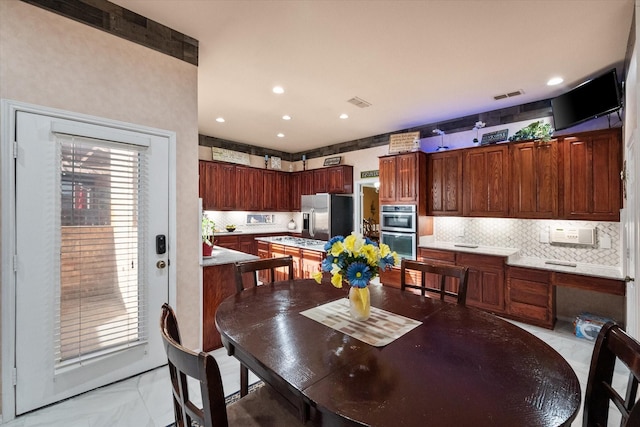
(249, 189)
(227, 241)
(433, 256)
(310, 262)
(445, 183)
(531, 296)
(340, 179)
(296, 256)
(301, 184)
(486, 181)
(263, 250)
(591, 182)
(320, 181)
(485, 283)
(534, 179)
(216, 286)
(403, 179)
(215, 177)
(295, 182)
(203, 180)
(247, 244)
(282, 192)
(269, 196)
(387, 173)
(335, 180)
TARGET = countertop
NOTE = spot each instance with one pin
(298, 242)
(513, 258)
(221, 256)
(245, 231)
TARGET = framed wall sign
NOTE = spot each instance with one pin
(402, 142)
(332, 161)
(494, 137)
(225, 155)
(370, 174)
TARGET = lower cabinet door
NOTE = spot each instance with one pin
(485, 289)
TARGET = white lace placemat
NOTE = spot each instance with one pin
(380, 329)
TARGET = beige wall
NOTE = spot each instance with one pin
(52, 61)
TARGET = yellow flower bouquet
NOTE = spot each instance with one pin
(356, 260)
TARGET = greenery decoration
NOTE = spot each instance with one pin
(536, 130)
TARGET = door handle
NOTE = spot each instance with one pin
(161, 264)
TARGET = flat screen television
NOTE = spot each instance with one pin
(594, 98)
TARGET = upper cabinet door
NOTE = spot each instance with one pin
(486, 180)
(534, 179)
(320, 181)
(341, 179)
(403, 180)
(591, 186)
(407, 178)
(387, 192)
(445, 183)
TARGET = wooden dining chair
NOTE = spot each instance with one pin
(260, 408)
(612, 344)
(436, 279)
(265, 264)
(254, 267)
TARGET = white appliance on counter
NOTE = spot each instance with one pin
(573, 235)
(398, 229)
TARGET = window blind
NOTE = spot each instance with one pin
(100, 292)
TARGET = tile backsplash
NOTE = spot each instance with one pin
(529, 237)
(279, 221)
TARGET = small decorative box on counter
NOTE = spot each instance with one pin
(587, 325)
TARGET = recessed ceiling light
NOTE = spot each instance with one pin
(281, 135)
(220, 120)
(555, 81)
(278, 89)
(344, 116)
(286, 117)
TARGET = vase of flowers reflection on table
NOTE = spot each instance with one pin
(356, 260)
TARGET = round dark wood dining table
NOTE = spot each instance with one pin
(460, 367)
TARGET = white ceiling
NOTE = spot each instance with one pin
(416, 62)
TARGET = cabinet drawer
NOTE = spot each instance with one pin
(436, 255)
(482, 261)
(539, 315)
(533, 275)
(529, 292)
(598, 284)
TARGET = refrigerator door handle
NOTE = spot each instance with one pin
(312, 218)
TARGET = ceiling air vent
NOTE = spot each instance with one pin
(508, 95)
(359, 102)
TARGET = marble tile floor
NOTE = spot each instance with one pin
(145, 400)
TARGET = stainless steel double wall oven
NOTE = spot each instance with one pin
(398, 229)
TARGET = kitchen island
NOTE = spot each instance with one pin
(307, 254)
(218, 282)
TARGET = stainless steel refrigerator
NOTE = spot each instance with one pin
(326, 215)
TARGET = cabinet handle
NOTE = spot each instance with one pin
(629, 279)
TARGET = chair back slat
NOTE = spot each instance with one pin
(268, 264)
(613, 344)
(202, 367)
(441, 275)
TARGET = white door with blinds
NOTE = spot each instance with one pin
(91, 275)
